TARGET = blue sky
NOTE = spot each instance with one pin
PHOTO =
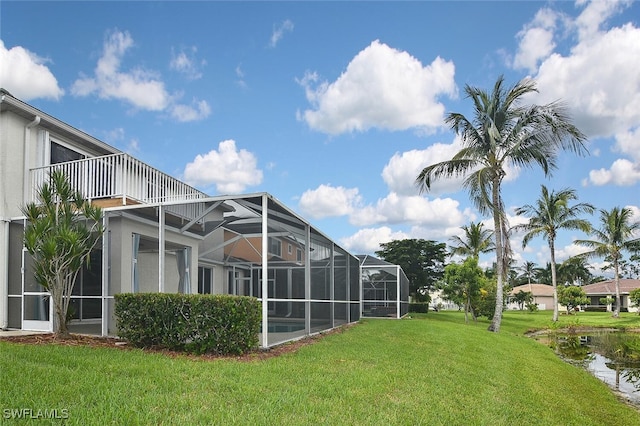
(334, 107)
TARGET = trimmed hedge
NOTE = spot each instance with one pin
(421, 308)
(196, 323)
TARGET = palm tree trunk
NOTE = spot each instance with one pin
(616, 312)
(554, 279)
(497, 223)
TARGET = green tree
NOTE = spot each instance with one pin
(574, 270)
(462, 283)
(615, 235)
(63, 228)
(522, 297)
(550, 214)
(634, 298)
(421, 260)
(543, 275)
(528, 272)
(476, 240)
(503, 133)
(572, 297)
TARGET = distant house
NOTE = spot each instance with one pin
(603, 289)
(542, 295)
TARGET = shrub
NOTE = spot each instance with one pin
(420, 308)
(532, 307)
(220, 324)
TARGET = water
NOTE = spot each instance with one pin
(613, 357)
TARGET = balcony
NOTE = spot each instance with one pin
(120, 180)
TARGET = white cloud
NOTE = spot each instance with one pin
(595, 14)
(381, 88)
(186, 63)
(25, 75)
(402, 169)
(536, 40)
(197, 111)
(368, 240)
(142, 89)
(570, 250)
(327, 200)
(229, 169)
(622, 172)
(636, 213)
(279, 31)
(395, 209)
(240, 75)
(628, 143)
(612, 105)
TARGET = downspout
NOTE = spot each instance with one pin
(26, 182)
(4, 279)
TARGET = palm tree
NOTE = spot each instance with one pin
(616, 234)
(477, 239)
(575, 270)
(503, 133)
(550, 214)
(63, 229)
(529, 271)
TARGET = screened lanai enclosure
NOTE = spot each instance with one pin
(249, 245)
(385, 288)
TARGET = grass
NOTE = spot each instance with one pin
(431, 369)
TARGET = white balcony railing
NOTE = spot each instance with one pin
(120, 176)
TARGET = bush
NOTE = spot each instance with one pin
(220, 324)
(594, 308)
(420, 308)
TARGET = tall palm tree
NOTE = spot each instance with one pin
(477, 239)
(503, 133)
(550, 214)
(616, 234)
(528, 270)
(575, 270)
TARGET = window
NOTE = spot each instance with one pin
(298, 255)
(62, 154)
(275, 247)
(205, 280)
(289, 248)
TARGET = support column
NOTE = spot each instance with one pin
(265, 271)
(398, 313)
(105, 275)
(307, 280)
(161, 245)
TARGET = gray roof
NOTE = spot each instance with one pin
(609, 287)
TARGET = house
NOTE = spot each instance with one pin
(542, 295)
(385, 288)
(163, 235)
(607, 288)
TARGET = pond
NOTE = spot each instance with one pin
(611, 356)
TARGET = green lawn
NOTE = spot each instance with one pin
(432, 369)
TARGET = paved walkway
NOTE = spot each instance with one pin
(8, 333)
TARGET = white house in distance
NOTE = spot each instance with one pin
(162, 235)
(542, 295)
